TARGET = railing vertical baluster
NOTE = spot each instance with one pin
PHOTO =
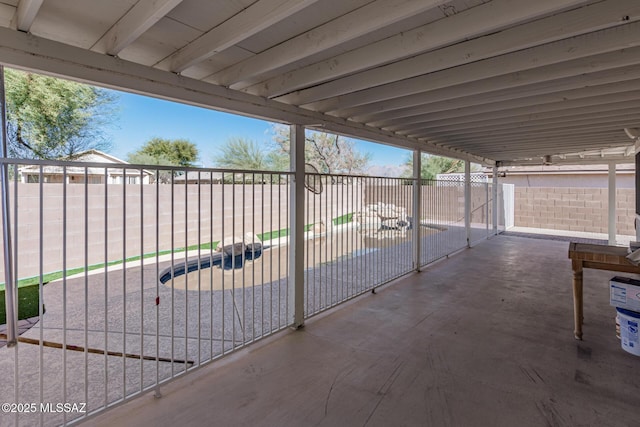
(186, 276)
(316, 283)
(106, 286)
(335, 253)
(353, 262)
(211, 222)
(86, 285)
(279, 275)
(233, 263)
(14, 301)
(263, 187)
(124, 282)
(41, 290)
(243, 257)
(271, 199)
(343, 251)
(198, 323)
(253, 242)
(307, 253)
(157, 393)
(64, 287)
(142, 352)
(173, 267)
(222, 309)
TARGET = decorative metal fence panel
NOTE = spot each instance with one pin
(363, 244)
(126, 284)
(129, 276)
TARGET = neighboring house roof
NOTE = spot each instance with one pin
(95, 156)
(89, 156)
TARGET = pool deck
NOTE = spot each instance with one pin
(484, 338)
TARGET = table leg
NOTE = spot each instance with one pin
(577, 299)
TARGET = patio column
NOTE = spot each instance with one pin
(9, 285)
(296, 227)
(467, 200)
(612, 204)
(494, 205)
(637, 223)
(417, 207)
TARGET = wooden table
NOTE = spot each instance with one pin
(600, 257)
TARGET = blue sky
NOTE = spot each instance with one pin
(141, 118)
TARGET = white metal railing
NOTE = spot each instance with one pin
(359, 237)
(127, 302)
(133, 282)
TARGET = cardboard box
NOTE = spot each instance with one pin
(624, 292)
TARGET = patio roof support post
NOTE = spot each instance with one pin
(10, 286)
(296, 226)
(417, 207)
(467, 200)
(612, 204)
(494, 204)
(637, 223)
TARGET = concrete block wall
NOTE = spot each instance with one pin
(574, 209)
(186, 215)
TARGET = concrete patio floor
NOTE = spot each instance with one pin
(484, 338)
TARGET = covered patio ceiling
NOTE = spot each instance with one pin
(508, 81)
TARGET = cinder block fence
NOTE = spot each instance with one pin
(574, 209)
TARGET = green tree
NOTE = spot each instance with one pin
(50, 118)
(159, 151)
(329, 153)
(161, 175)
(240, 153)
(244, 154)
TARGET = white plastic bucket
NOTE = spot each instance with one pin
(629, 333)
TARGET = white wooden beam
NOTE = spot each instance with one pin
(574, 160)
(463, 26)
(255, 18)
(523, 124)
(542, 92)
(441, 111)
(541, 111)
(521, 155)
(538, 140)
(511, 150)
(574, 139)
(26, 14)
(142, 16)
(375, 15)
(519, 131)
(28, 51)
(548, 144)
(557, 53)
(529, 161)
(442, 92)
(522, 137)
